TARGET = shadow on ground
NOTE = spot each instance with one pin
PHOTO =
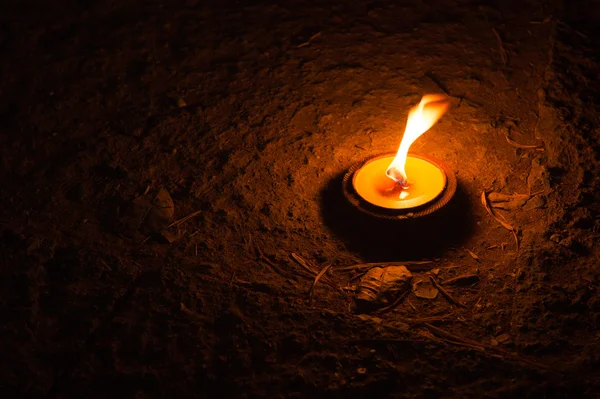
(378, 240)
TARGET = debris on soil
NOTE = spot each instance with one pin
(148, 214)
(504, 339)
(317, 277)
(474, 255)
(538, 179)
(173, 235)
(313, 37)
(304, 263)
(500, 219)
(503, 53)
(193, 314)
(366, 317)
(184, 219)
(425, 289)
(462, 280)
(181, 102)
(445, 293)
(380, 286)
(508, 202)
(524, 146)
(413, 266)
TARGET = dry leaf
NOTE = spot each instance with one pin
(148, 214)
(381, 285)
(473, 255)
(425, 290)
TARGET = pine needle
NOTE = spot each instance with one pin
(500, 219)
(317, 277)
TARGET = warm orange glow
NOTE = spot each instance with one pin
(420, 119)
(372, 184)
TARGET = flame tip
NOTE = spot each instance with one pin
(421, 118)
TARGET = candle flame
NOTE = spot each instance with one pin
(420, 119)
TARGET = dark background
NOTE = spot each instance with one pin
(247, 112)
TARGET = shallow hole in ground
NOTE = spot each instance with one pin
(386, 240)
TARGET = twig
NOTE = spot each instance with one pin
(183, 219)
(308, 267)
(445, 334)
(317, 277)
(438, 84)
(302, 262)
(395, 304)
(500, 219)
(411, 305)
(473, 255)
(523, 146)
(429, 319)
(358, 276)
(467, 276)
(313, 37)
(272, 265)
(567, 27)
(146, 214)
(446, 293)
(456, 340)
(386, 340)
(193, 314)
(501, 45)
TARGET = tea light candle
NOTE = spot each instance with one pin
(426, 182)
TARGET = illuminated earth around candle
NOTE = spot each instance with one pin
(426, 182)
(179, 219)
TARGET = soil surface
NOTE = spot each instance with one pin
(120, 117)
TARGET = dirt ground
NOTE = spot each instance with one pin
(248, 113)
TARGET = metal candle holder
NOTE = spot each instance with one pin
(400, 214)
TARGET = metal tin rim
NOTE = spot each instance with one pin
(400, 214)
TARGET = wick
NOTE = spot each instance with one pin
(394, 174)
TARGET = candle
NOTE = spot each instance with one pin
(426, 182)
(405, 181)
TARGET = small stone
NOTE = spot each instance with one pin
(425, 290)
(504, 338)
